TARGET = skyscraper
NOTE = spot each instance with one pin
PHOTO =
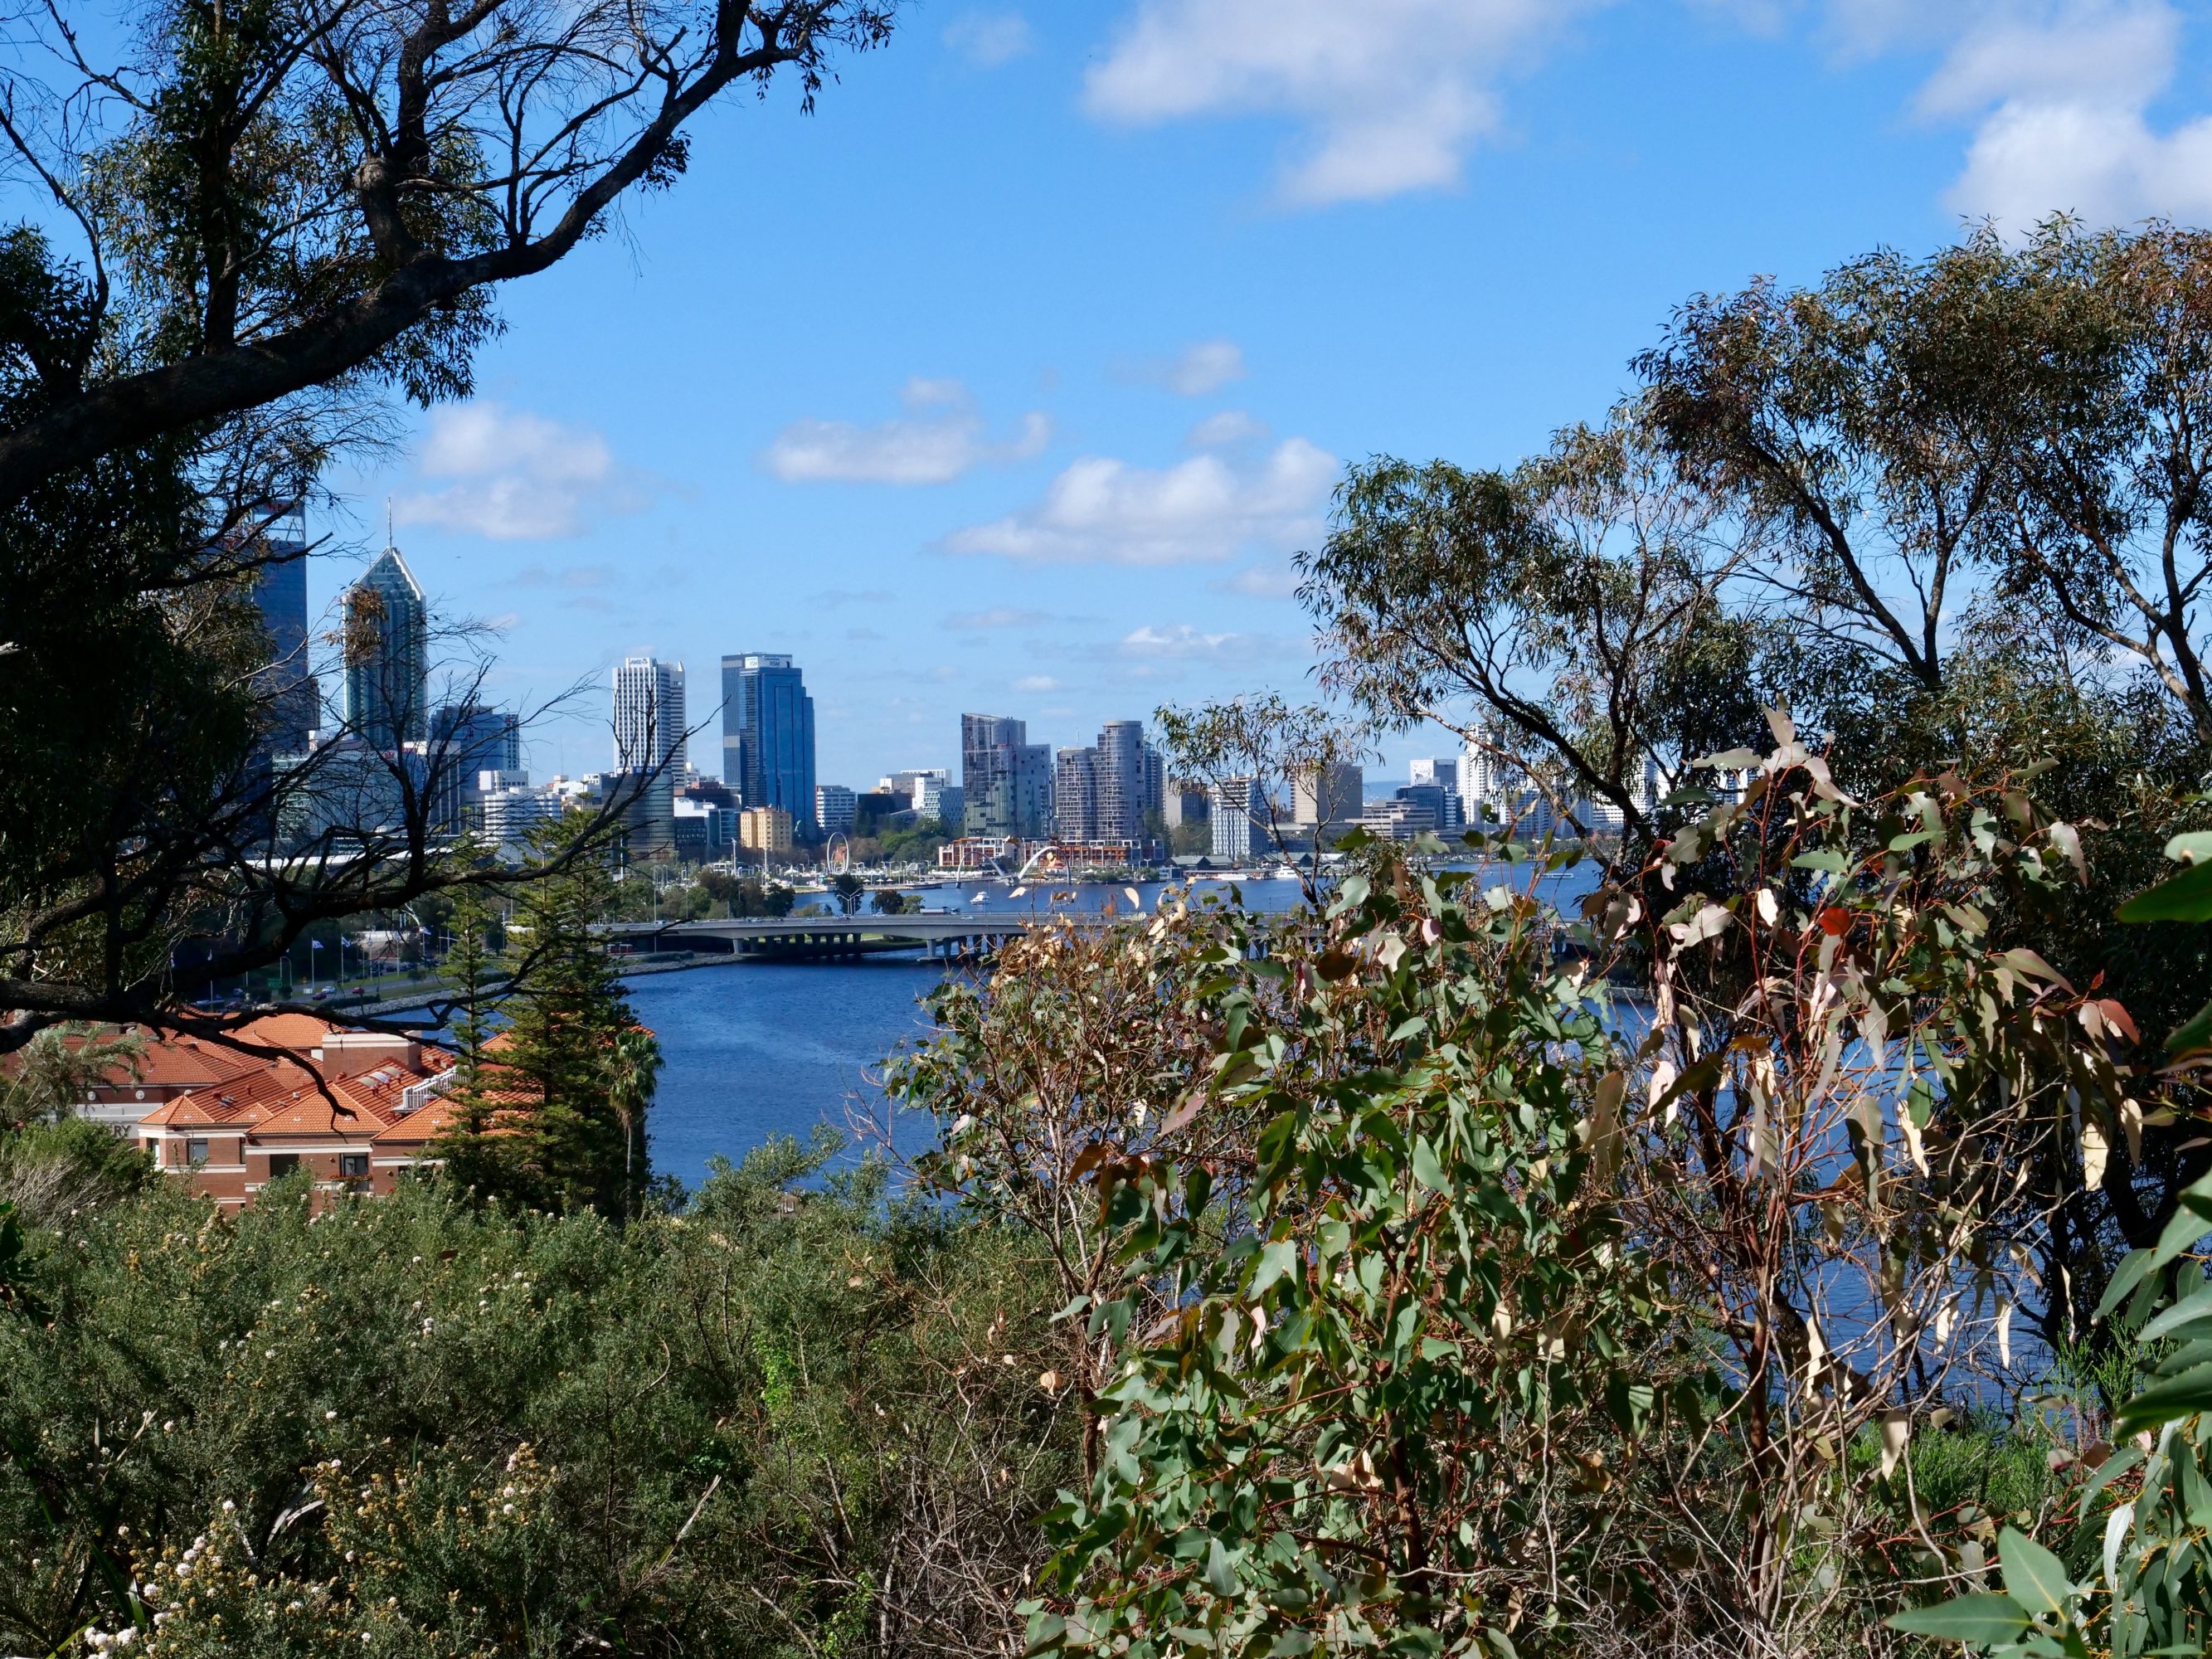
(1005, 780)
(467, 741)
(767, 735)
(386, 648)
(649, 719)
(279, 593)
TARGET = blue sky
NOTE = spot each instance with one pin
(1009, 380)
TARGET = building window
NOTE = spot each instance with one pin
(353, 1166)
(195, 1151)
(282, 1165)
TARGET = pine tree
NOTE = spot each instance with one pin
(471, 1153)
(579, 1141)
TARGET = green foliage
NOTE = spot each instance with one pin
(59, 1067)
(748, 895)
(1428, 1338)
(554, 1117)
(417, 1425)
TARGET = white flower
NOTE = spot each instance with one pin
(329, 1417)
(229, 1507)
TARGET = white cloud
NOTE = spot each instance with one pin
(1183, 641)
(987, 39)
(1230, 426)
(940, 437)
(1036, 682)
(2059, 93)
(1390, 94)
(1104, 511)
(517, 476)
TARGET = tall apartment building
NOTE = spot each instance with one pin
(1005, 780)
(1123, 776)
(1109, 790)
(767, 735)
(386, 648)
(649, 719)
(1075, 795)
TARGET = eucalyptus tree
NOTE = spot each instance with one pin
(1569, 615)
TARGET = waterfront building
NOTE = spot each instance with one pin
(833, 808)
(1327, 795)
(649, 724)
(765, 829)
(978, 853)
(1075, 795)
(1121, 772)
(1005, 780)
(768, 734)
(385, 647)
(1233, 806)
(467, 741)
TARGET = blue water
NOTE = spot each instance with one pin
(756, 1048)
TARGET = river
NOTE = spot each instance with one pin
(759, 1048)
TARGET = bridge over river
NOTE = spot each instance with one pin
(831, 938)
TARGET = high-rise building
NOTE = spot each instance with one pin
(1231, 804)
(1075, 795)
(387, 645)
(649, 722)
(1121, 781)
(833, 808)
(1331, 795)
(767, 735)
(467, 741)
(1005, 780)
(279, 593)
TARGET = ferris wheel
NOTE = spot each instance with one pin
(838, 854)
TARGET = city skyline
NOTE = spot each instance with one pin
(1063, 470)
